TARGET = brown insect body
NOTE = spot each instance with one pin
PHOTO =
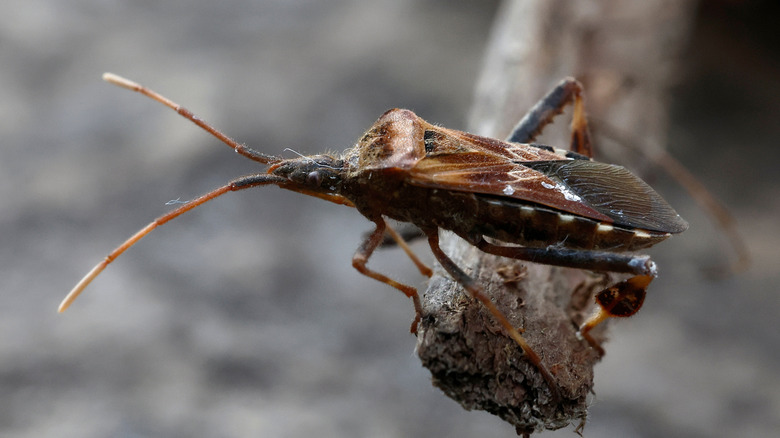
(409, 170)
(552, 206)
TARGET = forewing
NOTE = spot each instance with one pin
(459, 161)
(489, 174)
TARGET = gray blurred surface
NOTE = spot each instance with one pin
(245, 318)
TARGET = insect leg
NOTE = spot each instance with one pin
(571, 258)
(244, 182)
(400, 240)
(620, 300)
(567, 91)
(406, 230)
(476, 291)
(361, 257)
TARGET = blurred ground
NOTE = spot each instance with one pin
(245, 318)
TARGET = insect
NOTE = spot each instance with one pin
(510, 198)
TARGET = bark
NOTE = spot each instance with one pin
(625, 54)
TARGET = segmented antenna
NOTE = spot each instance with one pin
(187, 114)
(237, 184)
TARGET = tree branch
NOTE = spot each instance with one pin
(626, 63)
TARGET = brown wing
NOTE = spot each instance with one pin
(591, 189)
(478, 172)
(457, 141)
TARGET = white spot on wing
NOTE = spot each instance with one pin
(508, 190)
(568, 194)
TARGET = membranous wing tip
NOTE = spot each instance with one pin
(613, 191)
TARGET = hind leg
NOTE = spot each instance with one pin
(567, 91)
(620, 300)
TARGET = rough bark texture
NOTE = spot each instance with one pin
(474, 363)
(624, 53)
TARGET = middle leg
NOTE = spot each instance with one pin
(401, 241)
(476, 291)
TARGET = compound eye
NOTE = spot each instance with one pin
(313, 178)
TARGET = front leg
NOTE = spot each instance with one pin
(360, 259)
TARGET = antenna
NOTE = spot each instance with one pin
(187, 114)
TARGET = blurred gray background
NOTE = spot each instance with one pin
(245, 317)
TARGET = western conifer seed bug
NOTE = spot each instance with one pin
(510, 198)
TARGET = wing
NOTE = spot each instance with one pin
(489, 174)
(591, 189)
(447, 159)
(615, 192)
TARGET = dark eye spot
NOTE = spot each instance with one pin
(313, 178)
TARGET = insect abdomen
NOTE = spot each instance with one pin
(536, 226)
